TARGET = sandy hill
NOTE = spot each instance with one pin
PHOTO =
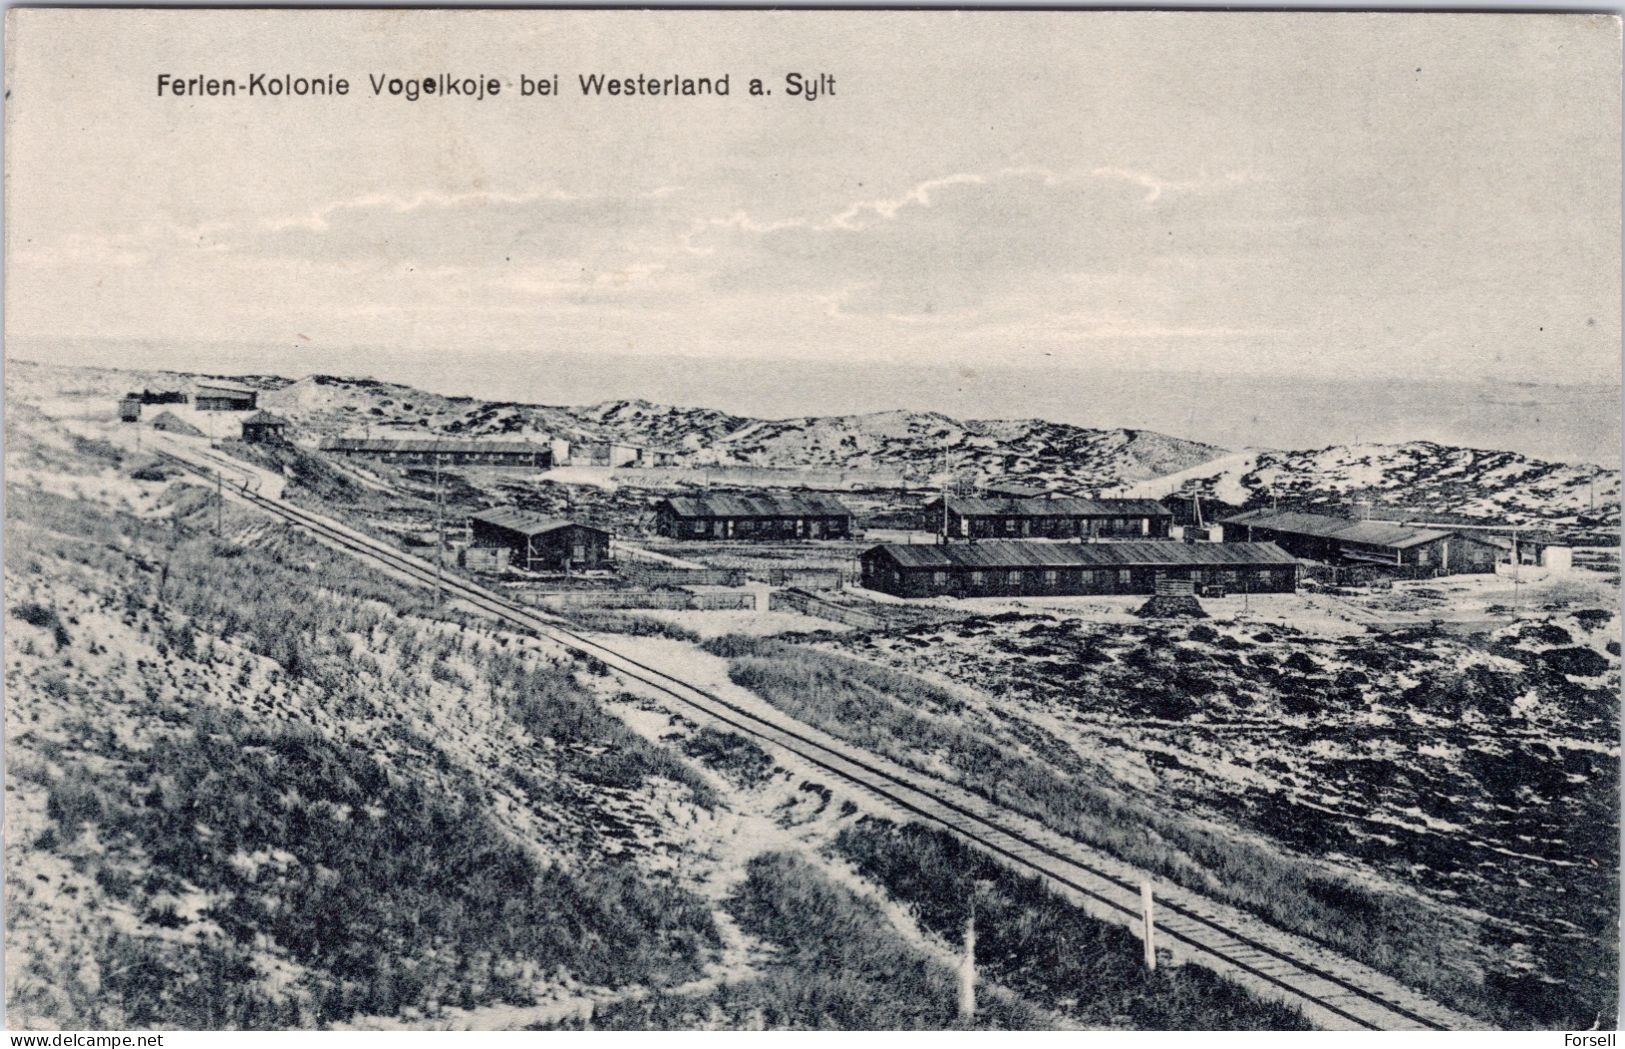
(1470, 482)
(919, 445)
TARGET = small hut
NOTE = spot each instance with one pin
(264, 428)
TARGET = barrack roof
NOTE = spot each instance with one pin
(224, 387)
(810, 504)
(1056, 506)
(1341, 529)
(1003, 553)
(264, 418)
(524, 522)
(427, 445)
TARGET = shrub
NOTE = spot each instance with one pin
(733, 755)
(1576, 661)
(35, 614)
(398, 893)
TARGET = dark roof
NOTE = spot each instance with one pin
(264, 418)
(1012, 491)
(1339, 529)
(810, 504)
(524, 522)
(1000, 553)
(1058, 506)
(225, 387)
(427, 445)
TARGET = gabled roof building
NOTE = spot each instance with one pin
(1319, 537)
(757, 516)
(1048, 517)
(1006, 568)
(264, 428)
(224, 397)
(539, 543)
(421, 451)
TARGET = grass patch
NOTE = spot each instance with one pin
(734, 756)
(611, 622)
(891, 713)
(391, 892)
(841, 967)
(1037, 944)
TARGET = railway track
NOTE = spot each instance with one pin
(1333, 991)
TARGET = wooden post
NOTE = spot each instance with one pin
(967, 968)
(1150, 926)
(439, 531)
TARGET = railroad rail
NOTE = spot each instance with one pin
(1331, 990)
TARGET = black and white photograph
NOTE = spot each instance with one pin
(811, 520)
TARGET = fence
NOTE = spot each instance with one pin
(652, 575)
(804, 578)
(813, 605)
(1363, 575)
(654, 599)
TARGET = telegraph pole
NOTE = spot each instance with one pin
(219, 501)
(1517, 559)
(1150, 926)
(439, 531)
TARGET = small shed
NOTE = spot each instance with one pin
(264, 428)
(1544, 551)
(540, 543)
(129, 410)
(224, 397)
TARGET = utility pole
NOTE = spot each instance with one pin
(219, 501)
(439, 531)
(1150, 926)
(1517, 559)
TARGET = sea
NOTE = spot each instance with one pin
(1577, 422)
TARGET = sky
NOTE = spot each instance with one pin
(1365, 196)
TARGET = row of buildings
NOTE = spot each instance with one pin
(418, 451)
(1257, 552)
(999, 543)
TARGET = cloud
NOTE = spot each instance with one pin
(953, 245)
(595, 232)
